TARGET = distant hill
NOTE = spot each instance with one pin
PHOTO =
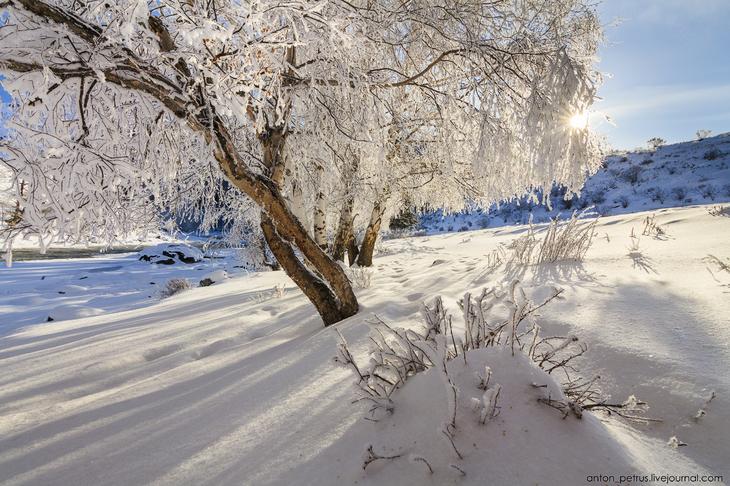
(681, 174)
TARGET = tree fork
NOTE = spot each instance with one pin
(328, 288)
(316, 290)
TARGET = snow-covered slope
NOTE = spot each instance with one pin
(235, 384)
(681, 174)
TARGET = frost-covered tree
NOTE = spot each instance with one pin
(656, 142)
(703, 134)
(121, 108)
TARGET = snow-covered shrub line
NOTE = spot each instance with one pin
(397, 354)
(497, 321)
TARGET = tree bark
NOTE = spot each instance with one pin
(344, 231)
(365, 257)
(352, 249)
(329, 290)
(320, 212)
(324, 300)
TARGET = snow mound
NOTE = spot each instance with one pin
(171, 253)
(68, 312)
(525, 441)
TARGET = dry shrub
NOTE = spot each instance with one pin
(719, 211)
(563, 240)
(360, 277)
(496, 317)
(175, 286)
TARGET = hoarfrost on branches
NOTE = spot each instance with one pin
(288, 116)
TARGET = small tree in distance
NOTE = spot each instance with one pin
(703, 134)
(656, 142)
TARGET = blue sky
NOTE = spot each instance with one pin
(667, 66)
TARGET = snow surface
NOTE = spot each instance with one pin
(32, 291)
(215, 276)
(234, 383)
(518, 446)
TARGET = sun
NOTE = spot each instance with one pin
(579, 121)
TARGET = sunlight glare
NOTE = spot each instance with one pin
(579, 120)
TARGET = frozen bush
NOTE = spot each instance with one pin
(712, 154)
(278, 291)
(499, 318)
(656, 142)
(719, 211)
(703, 134)
(360, 277)
(708, 191)
(175, 286)
(406, 219)
(631, 175)
(679, 193)
(651, 228)
(657, 194)
(623, 201)
(598, 196)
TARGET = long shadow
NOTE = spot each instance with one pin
(178, 415)
(571, 274)
(666, 352)
(642, 262)
(139, 331)
(111, 323)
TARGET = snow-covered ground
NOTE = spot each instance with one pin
(33, 291)
(235, 383)
(680, 174)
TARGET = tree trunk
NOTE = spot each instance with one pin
(296, 203)
(344, 231)
(352, 249)
(341, 302)
(320, 212)
(365, 258)
(324, 300)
